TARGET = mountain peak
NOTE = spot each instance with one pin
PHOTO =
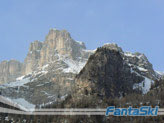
(112, 46)
(111, 61)
(55, 34)
(57, 43)
(36, 45)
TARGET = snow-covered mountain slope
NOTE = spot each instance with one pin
(51, 66)
(159, 73)
(140, 65)
(48, 84)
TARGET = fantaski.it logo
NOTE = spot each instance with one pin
(142, 111)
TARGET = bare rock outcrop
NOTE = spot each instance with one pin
(10, 70)
(56, 43)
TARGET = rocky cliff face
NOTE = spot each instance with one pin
(110, 72)
(33, 56)
(56, 43)
(10, 70)
(107, 75)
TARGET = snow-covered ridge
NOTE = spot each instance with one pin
(129, 54)
(160, 73)
(138, 55)
(80, 42)
(90, 51)
(114, 44)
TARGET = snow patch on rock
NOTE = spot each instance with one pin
(144, 86)
(73, 66)
(142, 69)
